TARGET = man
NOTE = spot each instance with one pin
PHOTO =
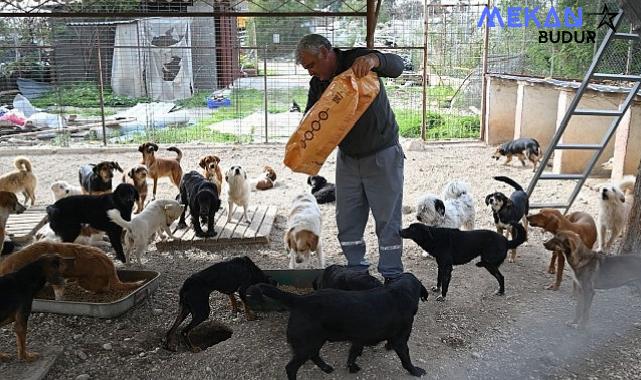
(369, 166)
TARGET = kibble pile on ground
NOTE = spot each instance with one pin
(474, 334)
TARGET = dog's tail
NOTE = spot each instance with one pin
(509, 181)
(626, 184)
(178, 152)
(119, 285)
(115, 217)
(287, 299)
(22, 164)
(519, 236)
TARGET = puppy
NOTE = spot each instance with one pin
(323, 191)
(506, 211)
(161, 167)
(137, 176)
(61, 189)
(593, 270)
(551, 220)
(267, 179)
(201, 196)
(211, 170)
(523, 148)
(22, 180)
(340, 277)
(8, 205)
(67, 215)
(92, 269)
(362, 317)
(454, 247)
(17, 290)
(158, 216)
(96, 179)
(302, 236)
(88, 236)
(613, 214)
(227, 277)
(238, 192)
(457, 211)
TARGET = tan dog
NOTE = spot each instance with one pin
(593, 270)
(137, 176)
(211, 170)
(266, 181)
(161, 167)
(552, 220)
(93, 269)
(21, 180)
(8, 205)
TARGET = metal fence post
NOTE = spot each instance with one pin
(102, 96)
(484, 69)
(265, 88)
(425, 77)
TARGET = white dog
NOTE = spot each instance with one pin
(302, 236)
(238, 190)
(156, 217)
(614, 207)
(61, 189)
(454, 210)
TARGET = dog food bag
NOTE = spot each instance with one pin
(326, 124)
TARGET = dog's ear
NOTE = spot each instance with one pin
(424, 293)
(313, 243)
(216, 159)
(439, 206)
(141, 148)
(203, 162)
(154, 146)
(115, 165)
(487, 199)
(553, 223)
(309, 180)
(96, 169)
(131, 173)
(287, 238)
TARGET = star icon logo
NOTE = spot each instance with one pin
(607, 17)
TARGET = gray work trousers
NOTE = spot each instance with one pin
(373, 182)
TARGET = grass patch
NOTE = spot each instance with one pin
(189, 134)
(439, 126)
(84, 95)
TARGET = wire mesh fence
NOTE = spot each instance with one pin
(224, 71)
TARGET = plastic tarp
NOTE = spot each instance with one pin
(161, 67)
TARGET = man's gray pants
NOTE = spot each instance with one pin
(373, 182)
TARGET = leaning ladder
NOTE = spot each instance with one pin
(572, 110)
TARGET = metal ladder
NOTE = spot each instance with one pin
(572, 110)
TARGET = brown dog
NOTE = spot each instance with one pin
(266, 181)
(552, 220)
(21, 180)
(93, 269)
(161, 167)
(17, 290)
(211, 170)
(137, 176)
(8, 205)
(593, 270)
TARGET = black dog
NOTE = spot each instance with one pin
(227, 277)
(67, 215)
(201, 196)
(362, 317)
(96, 179)
(17, 290)
(450, 247)
(507, 211)
(523, 148)
(340, 277)
(323, 191)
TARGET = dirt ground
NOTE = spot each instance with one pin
(474, 334)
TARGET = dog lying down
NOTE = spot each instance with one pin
(364, 318)
(593, 270)
(454, 247)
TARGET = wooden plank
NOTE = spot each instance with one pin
(228, 229)
(221, 219)
(257, 220)
(268, 222)
(239, 232)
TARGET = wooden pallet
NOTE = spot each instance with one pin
(256, 232)
(22, 227)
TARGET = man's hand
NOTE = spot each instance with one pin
(364, 64)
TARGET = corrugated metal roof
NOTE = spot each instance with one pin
(564, 83)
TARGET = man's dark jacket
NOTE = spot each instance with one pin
(377, 128)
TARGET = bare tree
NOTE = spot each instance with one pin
(632, 239)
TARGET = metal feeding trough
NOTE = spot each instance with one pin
(297, 278)
(104, 310)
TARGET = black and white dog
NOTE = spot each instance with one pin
(523, 148)
(201, 196)
(323, 191)
(96, 179)
(507, 211)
